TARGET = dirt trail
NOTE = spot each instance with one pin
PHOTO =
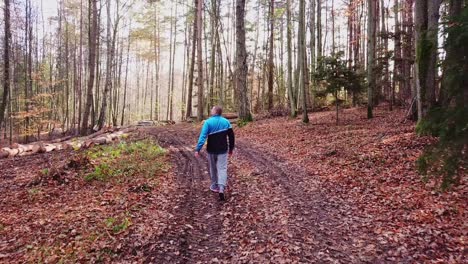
(196, 215)
(312, 223)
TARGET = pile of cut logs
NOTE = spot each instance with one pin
(104, 136)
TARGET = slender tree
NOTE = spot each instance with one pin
(192, 62)
(371, 38)
(199, 61)
(302, 58)
(92, 36)
(6, 62)
(271, 64)
(292, 99)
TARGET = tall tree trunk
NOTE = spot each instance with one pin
(292, 99)
(408, 89)
(111, 38)
(169, 79)
(30, 65)
(319, 30)
(270, 56)
(171, 93)
(186, 66)
(157, 55)
(6, 62)
(66, 120)
(303, 60)
(199, 61)
(92, 36)
(241, 71)
(254, 59)
(192, 62)
(312, 29)
(80, 82)
(122, 120)
(426, 34)
(371, 37)
(332, 14)
(221, 72)
(397, 57)
(214, 29)
(384, 51)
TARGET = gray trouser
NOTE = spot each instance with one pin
(218, 170)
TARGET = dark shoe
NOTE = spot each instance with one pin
(221, 197)
(216, 189)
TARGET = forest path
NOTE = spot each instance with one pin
(269, 215)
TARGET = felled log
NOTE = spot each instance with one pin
(105, 136)
(38, 148)
(96, 134)
(49, 147)
(4, 154)
(100, 141)
(58, 140)
(230, 115)
(11, 152)
(22, 148)
(146, 123)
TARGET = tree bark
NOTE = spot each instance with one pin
(192, 63)
(302, 58)
(6, 61)
(111, 39)
(92, 36)
(312, 50)
(199, 61)
(292, 99)
(242, 69)
(426, 34)
(122, 120)
(397, 57)
(270, 56)
(319, 29)
(371, 57)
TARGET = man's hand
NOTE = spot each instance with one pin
(197, 154)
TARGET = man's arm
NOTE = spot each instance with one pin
(202, 138)
(232, 140)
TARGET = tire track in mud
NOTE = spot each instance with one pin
(192, 233)
(311, 223)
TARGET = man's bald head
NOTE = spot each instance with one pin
(217, 110)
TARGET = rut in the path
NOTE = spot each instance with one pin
(191, 235)
(308, 205)
(316, 224)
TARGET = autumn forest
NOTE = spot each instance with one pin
(351, 123)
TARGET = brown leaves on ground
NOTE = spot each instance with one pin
(369, 166)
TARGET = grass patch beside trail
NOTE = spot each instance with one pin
(126, 159)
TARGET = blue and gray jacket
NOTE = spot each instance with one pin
(217, 129)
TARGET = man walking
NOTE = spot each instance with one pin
(217, 130)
